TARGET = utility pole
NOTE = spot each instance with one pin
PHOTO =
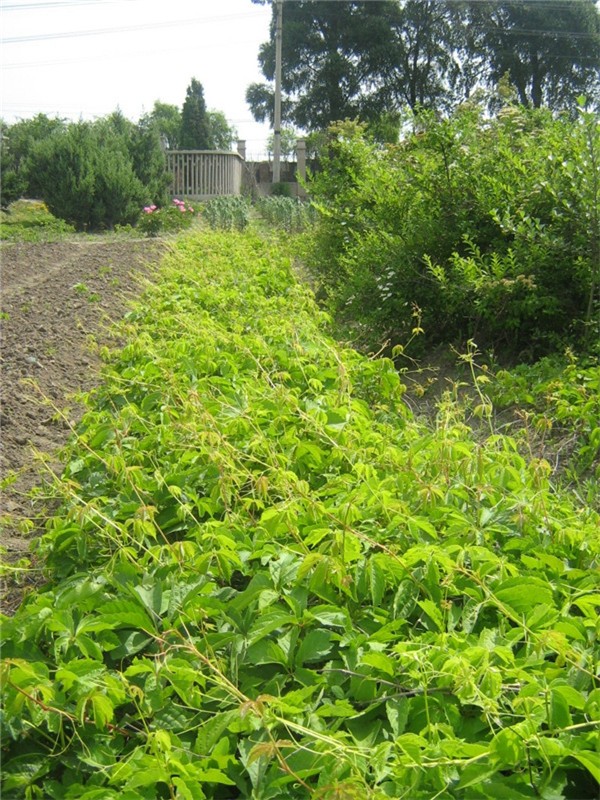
(277, 114)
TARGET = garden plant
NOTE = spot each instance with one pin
(267, 579)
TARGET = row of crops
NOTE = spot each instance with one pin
(267, 579)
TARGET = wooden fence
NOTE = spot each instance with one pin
(202, 174)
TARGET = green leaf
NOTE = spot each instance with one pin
(523, 595)
(102, 710)
(475, 774)
(433, 613)
(126, 614)
(590, 760)
(376, 582)
(507, 746)
(265, 652)
(315, 646)
(380, 662)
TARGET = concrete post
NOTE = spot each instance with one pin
(241, 148)
(277, 110)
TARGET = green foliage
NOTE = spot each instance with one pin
(287, 143)
(268, 581)
(559, 405)
(91, 175)
(86, 178)
(222, 134)
(489, 226)
(227, 213)
(550, 57)
(194, 134)
(165, 120)
(170, 219)
(367, 60)
(17, 142)
(285, 212)
(30, 221)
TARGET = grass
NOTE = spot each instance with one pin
(30, 221)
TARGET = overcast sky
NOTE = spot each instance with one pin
(129, 53)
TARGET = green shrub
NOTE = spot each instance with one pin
(92, 175)
(87, 179)
(30, 221)
(169, 219)
(490, 227)
(18, 141)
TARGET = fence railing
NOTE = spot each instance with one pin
(202, 174)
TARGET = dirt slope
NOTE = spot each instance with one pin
(55, 296)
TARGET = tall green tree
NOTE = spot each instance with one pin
(195, 129)
(18, 140)
(363, 59)
(425, 63)
(166, 120)
(329, 50)
(551, 50)
(221, 134)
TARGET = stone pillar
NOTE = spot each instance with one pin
(241, 148)
(301, 166)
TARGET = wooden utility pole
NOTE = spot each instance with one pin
(277, 114)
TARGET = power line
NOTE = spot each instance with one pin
(125, 28)
(59, 4)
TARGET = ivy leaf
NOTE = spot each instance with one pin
(315, 646)
(590, 760)
(102, 710)
(522, 595)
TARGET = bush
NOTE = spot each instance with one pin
(169, 219)
(489, 226)
(30, 221)
(92, 175)
(87, 178)
(17, 142)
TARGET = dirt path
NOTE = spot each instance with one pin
(55, 296)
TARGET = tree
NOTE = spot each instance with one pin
(195, 129)
(287, 143)
(221, 134)
(551, 50)
(366, 59)
(363, 59)
(425, 64)
(328, 49)
(18, 141)
(166, 119)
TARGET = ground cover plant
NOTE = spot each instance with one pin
(558, 406)
(266, 580)
(30, 221)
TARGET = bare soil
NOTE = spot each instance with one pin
(57, 298)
